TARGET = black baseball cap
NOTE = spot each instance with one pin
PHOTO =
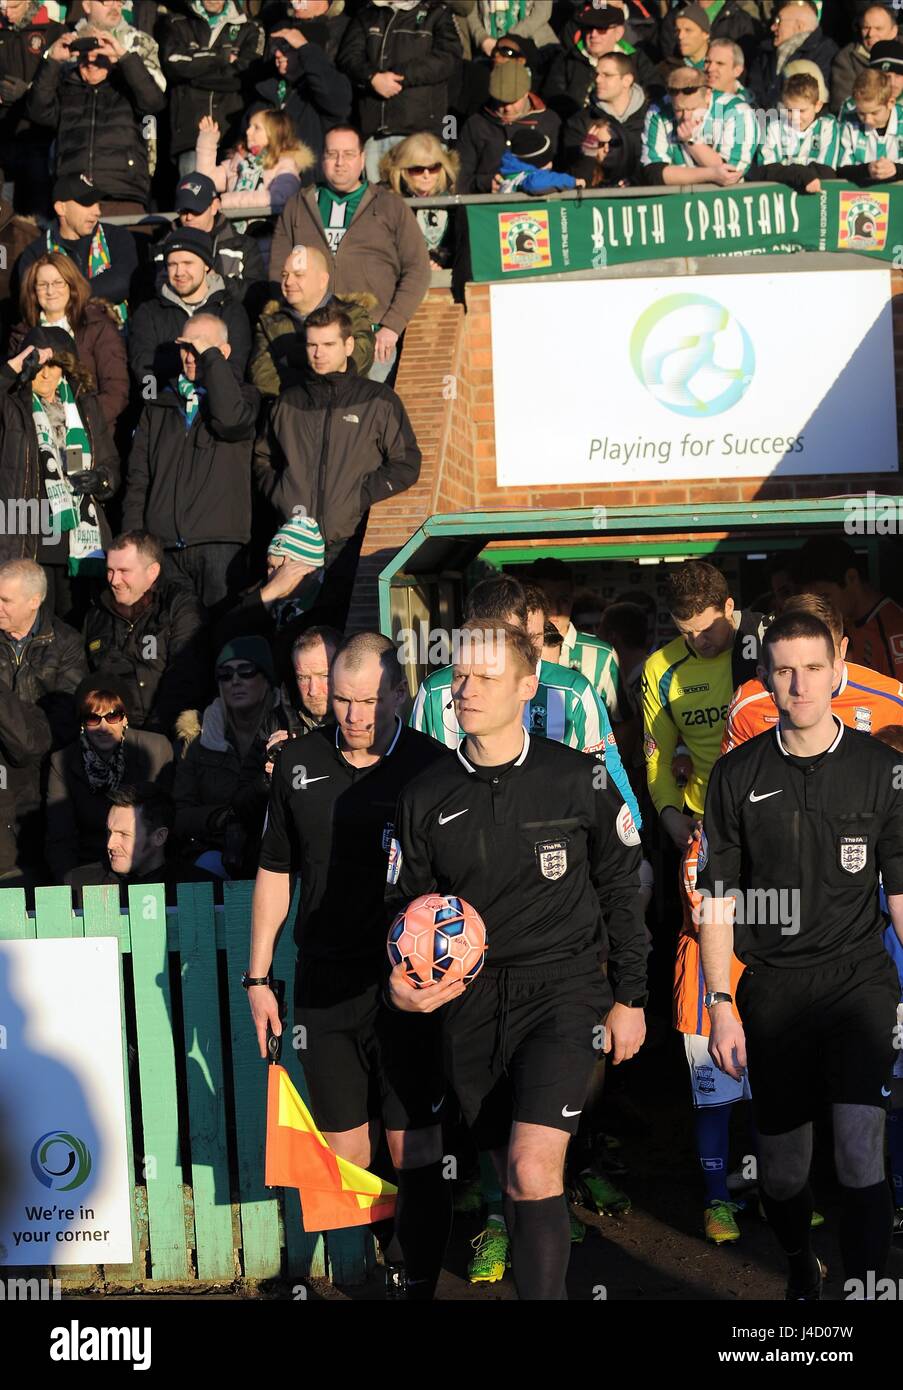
(601, 17)
(195, 193)
(75, 188)
(190, 239)
(887, 56)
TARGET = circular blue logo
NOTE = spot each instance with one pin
(61, 1160)
(692, 355)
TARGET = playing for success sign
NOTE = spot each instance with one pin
(709, 376)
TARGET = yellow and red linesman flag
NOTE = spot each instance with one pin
(334, 1193)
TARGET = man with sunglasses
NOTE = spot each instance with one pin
(697, 136)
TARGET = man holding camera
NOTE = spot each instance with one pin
(100, 98)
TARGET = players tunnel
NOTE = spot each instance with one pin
(619, 553)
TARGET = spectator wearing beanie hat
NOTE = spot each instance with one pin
(487, 134)
(730, 20)
(191, 284)
(190, 466)
(277, 607)
(221, 786)
(237, 258)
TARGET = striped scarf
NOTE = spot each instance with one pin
(99, 260)
(189, 392)
(502, 15)
(86, 554)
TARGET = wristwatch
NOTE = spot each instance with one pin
(716, 996)
(248, 980)
(638, 1002)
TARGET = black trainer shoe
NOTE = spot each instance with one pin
(812, 1292)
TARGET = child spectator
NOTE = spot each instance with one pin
(871, 141)
(265, 170)
(802, 143)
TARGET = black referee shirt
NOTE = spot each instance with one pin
(816, 831)
(333, 824)
(548, 858)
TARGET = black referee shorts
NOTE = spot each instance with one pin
(818, 1035)
(361, 1060)
(519, 1045)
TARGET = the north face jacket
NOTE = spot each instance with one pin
(333, 446)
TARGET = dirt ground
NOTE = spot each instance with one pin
(657, 1251)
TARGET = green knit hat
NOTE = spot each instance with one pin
(300, 539)
(252, 649)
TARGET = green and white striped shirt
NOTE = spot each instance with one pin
(728, 127)
(565, 708)
(847, 112)
(784, 144)
(860, 144)
(597, 661)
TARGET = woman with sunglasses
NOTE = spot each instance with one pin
(221, 785)
(106, 755)
(421, 167)
(601, 160)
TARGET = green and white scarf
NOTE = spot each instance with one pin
(99, 260)
(188, 391)
(86, 555)
(248, 176)
(503, 15)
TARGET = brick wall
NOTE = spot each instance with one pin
(445, 380)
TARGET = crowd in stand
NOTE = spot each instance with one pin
(197, 416)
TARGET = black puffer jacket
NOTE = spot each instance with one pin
(100, 129)
(423, 45)
(156, 325)
(160, 654)
(202, 79)
(20, 470)
(333, 446)
(189, 487)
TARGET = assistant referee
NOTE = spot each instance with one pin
(532, 835)
(330, 820)
(799, 823)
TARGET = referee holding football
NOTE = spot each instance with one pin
(808, 812)
(330, 820)
(530, 834)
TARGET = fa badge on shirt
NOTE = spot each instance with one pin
(853, 852)
(553, 858)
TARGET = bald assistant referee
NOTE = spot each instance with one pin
(799, 824)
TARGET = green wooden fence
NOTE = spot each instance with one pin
(200, 1213)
